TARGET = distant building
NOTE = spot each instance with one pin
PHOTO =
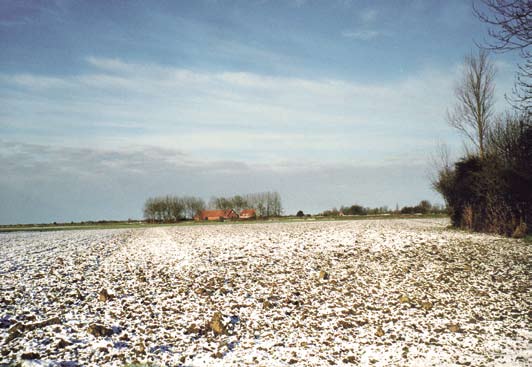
(216, 215)
(248, 214)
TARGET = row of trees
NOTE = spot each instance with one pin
(424, 207)
(172, 208)
(489, 188)
(266, 204)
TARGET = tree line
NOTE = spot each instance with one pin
(265, 204)
(424, 207)
(175, 208)
(172, 208)
(489, 188)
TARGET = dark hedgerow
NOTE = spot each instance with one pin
(493, 194)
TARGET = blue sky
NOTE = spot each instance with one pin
(104, 103)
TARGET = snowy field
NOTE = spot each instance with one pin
(368, 292)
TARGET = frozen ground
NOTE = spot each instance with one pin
(377, 293)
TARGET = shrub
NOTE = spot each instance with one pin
(492, 194)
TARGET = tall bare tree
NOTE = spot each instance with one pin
(164, 209)
(511, 29)
(193, 205)
(475, 99)
(239, 203)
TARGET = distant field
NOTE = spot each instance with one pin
(348, 292)
(66, 227)
(138, 224)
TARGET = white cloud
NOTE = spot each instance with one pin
(258, 117)
(106, 134)
(34, 81)
(108, 64)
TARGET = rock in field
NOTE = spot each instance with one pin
(216, 324)
(105, 296)
(99, 330)
(30, 356)
(454, 328)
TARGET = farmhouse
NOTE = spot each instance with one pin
(248, 214)
(216, 215)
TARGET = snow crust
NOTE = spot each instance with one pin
(398, 293)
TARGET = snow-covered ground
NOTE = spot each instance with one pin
(369, 292)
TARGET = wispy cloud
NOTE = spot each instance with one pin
(366, 31)
(35, 81)
(15, 22)
(368, 15)
(299, 3)
(23, 13)
(362, 35)
(229, 113)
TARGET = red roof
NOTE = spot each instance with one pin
(228, 213)
(247, 213)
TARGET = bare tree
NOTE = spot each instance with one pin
(475, 99)
(150, 212)
(505, 142)
(193, 205)
(221, 203)
(275, 205)
(239, 203)
(511, 22)
(164, 209)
